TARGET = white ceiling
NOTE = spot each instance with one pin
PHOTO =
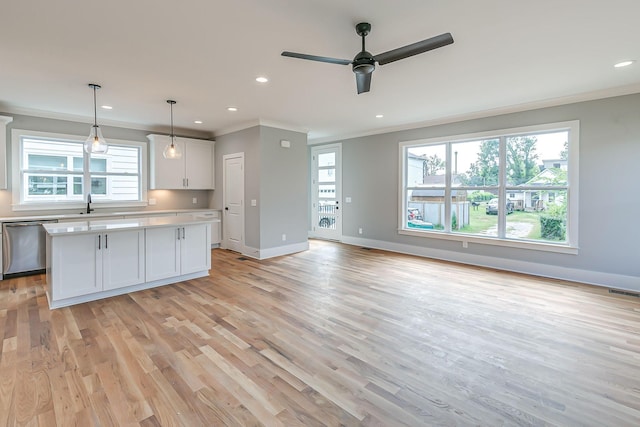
(205, 54)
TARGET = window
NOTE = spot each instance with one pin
(515, 187)
(53, 172)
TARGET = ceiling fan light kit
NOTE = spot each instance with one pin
(364, 62)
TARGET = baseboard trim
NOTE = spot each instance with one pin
(277, 251)
(607, 280)
(65, 302)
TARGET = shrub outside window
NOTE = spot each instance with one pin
(513, 185)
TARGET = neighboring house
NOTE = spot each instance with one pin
(415, 169)
(553, 171)
(554, 163)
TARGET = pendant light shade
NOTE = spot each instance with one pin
(95, 143)
(172, 150)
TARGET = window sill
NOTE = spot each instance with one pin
(493, 241)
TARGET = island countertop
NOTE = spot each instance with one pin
(97, 226)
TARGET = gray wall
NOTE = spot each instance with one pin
(276, 178)
(609, 201)
(165, 199)
(284, 189)
(245, 141)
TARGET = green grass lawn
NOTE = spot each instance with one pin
(480, 222)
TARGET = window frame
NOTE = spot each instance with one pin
(19, 202)
(568, 247)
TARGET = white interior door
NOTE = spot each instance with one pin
(327, 192)
(233, 200)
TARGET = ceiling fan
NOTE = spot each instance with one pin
(364, 63)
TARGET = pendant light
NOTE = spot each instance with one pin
(172, 151)
(95, 144)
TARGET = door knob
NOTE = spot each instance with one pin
(226, 209)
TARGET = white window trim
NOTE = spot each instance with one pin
(570, 247)
(18, 205)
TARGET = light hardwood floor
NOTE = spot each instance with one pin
(337, 335)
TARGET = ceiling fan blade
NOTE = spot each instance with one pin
(317, 58)
(363, 81)
(414, 49)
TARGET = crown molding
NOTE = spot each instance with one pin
(516, 108)
(260, 122)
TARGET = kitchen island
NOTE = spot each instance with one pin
(90, 260)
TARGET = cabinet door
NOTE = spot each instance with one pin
(199, 164)
(162, 253)
(195, 248)
(76, 265)
(215, 226)
(123, 259)
(166, 174)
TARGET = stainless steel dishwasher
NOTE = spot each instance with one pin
(23, 247)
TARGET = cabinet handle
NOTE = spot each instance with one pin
(183, 236)
(99, 241)
(187, 181)
(178, 234)
(106, 241)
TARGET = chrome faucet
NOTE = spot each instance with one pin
(89, 209)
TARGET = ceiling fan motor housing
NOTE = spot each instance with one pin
(364, 63)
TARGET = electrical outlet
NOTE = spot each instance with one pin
(360, 230)
(152, 202)
(284, 237)
(195, 200)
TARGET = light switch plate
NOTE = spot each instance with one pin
(347, 199)
(254, 202)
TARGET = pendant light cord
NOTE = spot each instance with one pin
(95, 108)
(172, 135)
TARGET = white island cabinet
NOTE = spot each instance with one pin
(216, 225)
(90, 263)
(91, 260)
(172, 251)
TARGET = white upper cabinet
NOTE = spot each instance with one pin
(194, 171)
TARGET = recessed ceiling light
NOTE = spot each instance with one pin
(107, 107)
(379, 116)
(198, 122)
(624, 64)
(262, 79)
(232, 108)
